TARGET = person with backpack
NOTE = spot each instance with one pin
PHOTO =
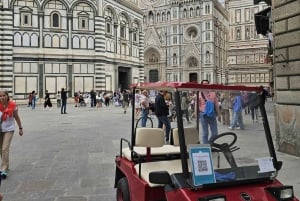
(208, 112)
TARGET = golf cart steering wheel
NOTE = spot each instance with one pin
(226, 148)
(218, 146)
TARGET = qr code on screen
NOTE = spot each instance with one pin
(202, 165)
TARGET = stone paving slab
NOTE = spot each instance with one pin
(70, 157)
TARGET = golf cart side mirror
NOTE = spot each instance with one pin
(160, 177)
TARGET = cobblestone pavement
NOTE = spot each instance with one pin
(70, 157)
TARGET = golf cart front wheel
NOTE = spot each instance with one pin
(123, 190)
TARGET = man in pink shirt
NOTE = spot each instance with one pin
(205, 119)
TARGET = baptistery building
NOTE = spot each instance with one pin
(78, 45)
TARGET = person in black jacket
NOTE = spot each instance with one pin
(63, 97)
(162, 112)
(47, 101)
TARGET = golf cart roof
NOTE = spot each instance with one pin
(169, 86)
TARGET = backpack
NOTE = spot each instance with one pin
(209, 107)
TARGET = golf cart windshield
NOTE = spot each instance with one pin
(238, 147)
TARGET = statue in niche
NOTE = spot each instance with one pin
(152, 58)
(193, 62)
(238, 34)
(207, 58)
(174, 59)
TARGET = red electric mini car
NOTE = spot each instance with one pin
(238, 164)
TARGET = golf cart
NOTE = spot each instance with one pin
(235, 165)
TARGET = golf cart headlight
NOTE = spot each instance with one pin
(282, 192)
(286, 193)
(217, 197)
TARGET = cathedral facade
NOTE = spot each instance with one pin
(72, 44)
(185, 40)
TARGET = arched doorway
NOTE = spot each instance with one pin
(153, 76)
(152, 65)
(193, 77)
(124, 75)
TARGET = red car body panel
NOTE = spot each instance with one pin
(257, 192)
(141, 191)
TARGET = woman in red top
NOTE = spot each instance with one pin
(8, 115)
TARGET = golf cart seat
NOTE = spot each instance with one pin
(151, 139)
(191, 136)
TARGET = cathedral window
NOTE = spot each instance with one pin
(174, 58)
(135, 32)
(123, 31)
(109, 19)
(207, 25)
(207, 36)
(26, 19)
(247, 15)
(83, 21)
(55, 20)
(158, 17)
(123, 26)
(191, 12)
(150, 16)
(108, 28)
(163, 17)
(192, 33)
(237, 15)
(175, 14)
(207, 9)
(174, 29)
(198, 11)
(26, 15)
(184, 13)
(175, 40)
(168, 16)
